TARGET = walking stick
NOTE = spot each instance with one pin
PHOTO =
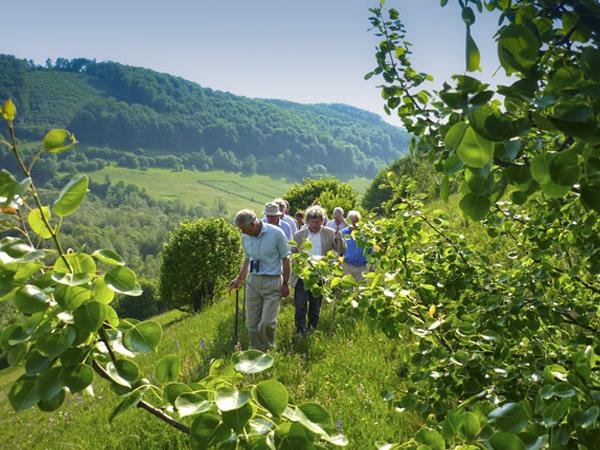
(244, 304)
(235, 332)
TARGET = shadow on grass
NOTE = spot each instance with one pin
(176, 320)
(310, 347)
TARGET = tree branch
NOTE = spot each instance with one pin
(145, 405)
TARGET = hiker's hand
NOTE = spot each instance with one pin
(285, 290)
(235, 284)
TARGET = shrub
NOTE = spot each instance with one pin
(147, 305)
(198, 261)
(417, 170)
(330, 192)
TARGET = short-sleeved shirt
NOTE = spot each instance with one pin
(269, 247)
(291, 222)
(287, 230)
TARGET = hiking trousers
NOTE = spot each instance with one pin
(263, 295)
(304, 300)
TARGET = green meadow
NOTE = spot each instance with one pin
(234, 190)
(332, 366)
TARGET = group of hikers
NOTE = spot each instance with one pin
(266, 270)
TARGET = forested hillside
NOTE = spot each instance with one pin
(148, 115)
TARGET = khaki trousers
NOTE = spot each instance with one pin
(263, 295)
(356, 271)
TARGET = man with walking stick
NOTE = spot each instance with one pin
(267, 264)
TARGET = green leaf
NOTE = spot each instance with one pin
(80, 262)
(109, 257)
(203, 429)
(506, 441)
(587, 419)
(555, 411)
(475, 206)
(167, 369)
(468, 16)
(590, 195)
(510, 417)
(52, 404)
(229, 399)
(71, 297)
(173, 390)
(101, 292)
(123, 372)
(491, 124)
(316, 418)
(455, 135)
(554, 190)
(564, 168)
(77, 378)
(71, 279)
(55, 343)
(292, 436)
(473, 57)
(48, 383)
(123, 281)
(36, 222)
(190, 404)
(143, 337)
(431, 438)
(478, 184)
(71, 196)
(238, 418)
(574, 119)
(55, 141)
(30, 300)
(36, 362)
(273, 396)
(474, 150)
(9, 110)
(89, 316)
(129, 402)
(540, 167)
(251, 361)
(470, 426)
(518, 48)
(23, 394)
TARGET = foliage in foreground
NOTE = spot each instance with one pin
(506, 341)
(198, 261)
(70, 334)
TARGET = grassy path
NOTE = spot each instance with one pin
(346, 367)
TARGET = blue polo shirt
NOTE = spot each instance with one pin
(354, 254)
(284, 227)
(269, 247)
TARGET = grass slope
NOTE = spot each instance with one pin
(345, 367)
(206, 188)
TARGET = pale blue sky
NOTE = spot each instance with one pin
(306, 50)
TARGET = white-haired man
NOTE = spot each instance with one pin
(355, 258)
(322, 240)
(337, 223)
(267, 265)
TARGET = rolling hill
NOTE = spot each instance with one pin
(133, 109)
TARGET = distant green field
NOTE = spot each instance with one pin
(208, 188)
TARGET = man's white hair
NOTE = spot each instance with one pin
(244, 217)
(315, 212)
(338, 209)
(354, 213)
